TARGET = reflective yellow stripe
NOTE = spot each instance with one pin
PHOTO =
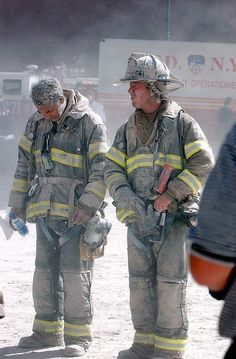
(146, 160)
(170, 344)
(48, 327)
(37, 154)
(66, 158)
(114, 178)
(75, 330)
(122, 214)
(97, 188)
(141, 160)
(174, 161)
(36, 209)
(144, 338)
(116, 156)
(160, 342)
(59, 209)
(20, 185)
(56, 209)
(95, 148)
(192, 181)
(25, 143)
(194, 147)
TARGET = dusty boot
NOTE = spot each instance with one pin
(40, 340)
(74, 350)
(136, 352)
(167, 354)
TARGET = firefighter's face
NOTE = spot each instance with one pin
(140, 95)
(52, 111)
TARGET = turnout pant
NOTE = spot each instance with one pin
(62, 288)
(157, 280)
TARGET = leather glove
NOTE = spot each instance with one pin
(127, 199)
(82, 214)
(146, 226)
(162, 202)
(19, 212)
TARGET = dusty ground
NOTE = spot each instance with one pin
(112, 325)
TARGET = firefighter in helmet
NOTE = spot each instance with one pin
(154, 170)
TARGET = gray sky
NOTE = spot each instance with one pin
(48, 32)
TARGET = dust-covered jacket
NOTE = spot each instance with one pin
(138, 166)
(76, 151)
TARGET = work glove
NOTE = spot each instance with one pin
(82, 214)
(125, 198)
(145, 227)
(19, 212)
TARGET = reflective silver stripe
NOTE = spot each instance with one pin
(66, 158)
(75, 330)
(35, 209)
(25, 143)
(114, 178)
(141, 160)
(20, 185)
(122, 214)
(116, 156)
(194, 147)
(96, 148)
(146, 160)
(47, 326)
(192, 181)
(169, 343)
(144, 338)
(97, 188)
(174, 161)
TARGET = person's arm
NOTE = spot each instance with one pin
(210, 273)
(95, 190)
(127, 204)
(199, 161)
(20, 186)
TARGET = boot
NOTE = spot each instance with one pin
(137, 351)
(41, 340)
(74, 350)
(167, 354)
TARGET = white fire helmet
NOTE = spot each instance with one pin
(151, 70)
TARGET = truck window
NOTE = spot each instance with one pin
(12, 87)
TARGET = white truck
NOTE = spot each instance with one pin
(208, 71)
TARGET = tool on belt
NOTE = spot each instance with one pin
(159, 189)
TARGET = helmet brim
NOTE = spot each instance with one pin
(172, 83)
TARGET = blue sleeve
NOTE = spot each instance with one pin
(216, 230)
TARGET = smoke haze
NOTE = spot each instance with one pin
(49, 32)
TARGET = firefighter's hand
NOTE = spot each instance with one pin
(19, 212)
(162, 202)
(82, 214)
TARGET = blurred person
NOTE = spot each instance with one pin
(2, 312)
(94, 104)
(157, 134)
(213, 250)
(59, 183)
(226, 118)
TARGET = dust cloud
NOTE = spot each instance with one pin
(56, 33)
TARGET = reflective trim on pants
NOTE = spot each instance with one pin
(77, 331)
(45, 326)
(158, 288)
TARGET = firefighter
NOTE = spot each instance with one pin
(59, 183)
(157, 134)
